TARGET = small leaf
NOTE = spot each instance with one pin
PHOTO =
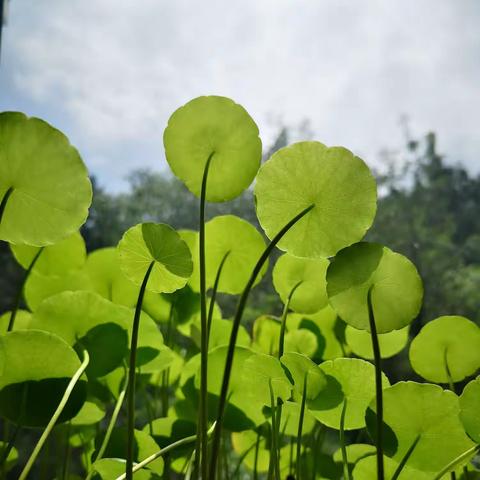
(307, 276)
(470, 409)
(453, 339)
(396, 287)
(159, 243)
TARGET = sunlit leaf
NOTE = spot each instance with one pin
(217, 127)
(449, 341)
(307, 276)
(470, 409)
(338, 183)
(158, 243)
(50, 188)
(396, 293)
(301, 341)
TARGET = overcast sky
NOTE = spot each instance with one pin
(110, 72)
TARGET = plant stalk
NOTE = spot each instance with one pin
(233, 335)
(55, 416)
(203, 411)
(378, 386)
(298, 462)
(283, 321)
(405, 458)
(346, 471)
(13, 313)
(4, 201)
(131, 375)
(457, 461)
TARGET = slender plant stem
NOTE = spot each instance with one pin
(211, 305)
(255, 458)
(298, 462)
(346, 471)
(274, 445)
(378, 386)
(66, 457)
(203, 418)
(163, 451)
(55, 416)
(283, 320)
(18, 298)
(4, 201)
(108, 433)
(131, 375)
(405, 458)
(457, 461)
(233, 335)
(448, 371)
(241, 458)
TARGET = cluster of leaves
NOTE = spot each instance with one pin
(123, 352)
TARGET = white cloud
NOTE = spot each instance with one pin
(117, 69)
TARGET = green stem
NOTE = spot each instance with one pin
(163, 451)
(108, 433)
(378, 386)
(211, 305)
(298, 463)
(346, 470)
(66, 456)
(274, 445)
(4, 201)
(131, 375)
(255, 458)
(241, 458)
(457, 461)
(203, 411)
(13, 313)
(283, 320)
(233, 335)
(55, 416)
(447, 370)
(405, 458)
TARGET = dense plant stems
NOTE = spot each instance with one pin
(298, 463)
(378, 385)
(18, 298)
(211, 305)
(66, 456)
(457, 461)
(233, 335)
(55, 416)
(203, 411)
(241, 458)
(274, 445)
(346, 471)
(163, 451)
(4, 201)
(255, 458)
(131, 375)
(405, 458)
(283, 321)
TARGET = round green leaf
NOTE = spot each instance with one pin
(470, 409)
(219, 128)
(242, 242)
(301, 341)
(39, 287)
(62, 257)
(35, 369)
(391, 343)
(266, 335)
(301, 367)
(451, 339)
(355, 452)
(243, 442)
(396, 293)
(348, 379)
(86, 320)
(158, 243)
(307, 276)
(339, 184)
(220, 334)
(411, 409)
(50, 191)
(103, 268)
(291, 417)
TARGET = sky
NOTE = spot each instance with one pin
(109, 73)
